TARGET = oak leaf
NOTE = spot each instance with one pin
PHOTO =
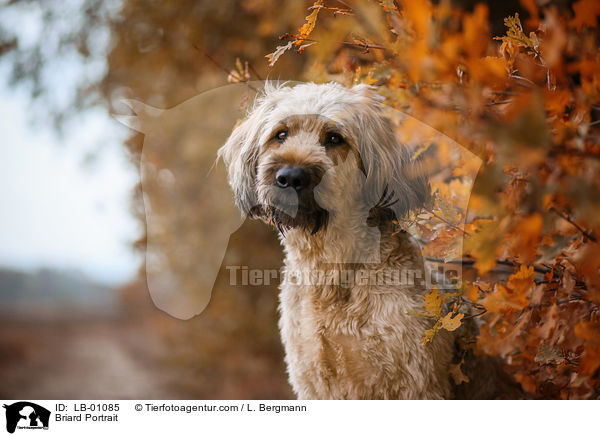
(451, 323)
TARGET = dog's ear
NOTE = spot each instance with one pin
(240, 154)
(394, 179)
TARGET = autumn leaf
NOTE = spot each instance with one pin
(516, 36)
(419, 15)
(281, 49)
(550, 251)
(240, 73)
(532, 8)
(457, 375)
(451, 323)
(521, 282)
(590, 331)
(483, 244)
(429, 335)
(476, 25)
(547, 354)
(527, 233)
(311, 20)
(504, 300)
(590, 360)
(433, 303)
(586, 13)
(548, 323)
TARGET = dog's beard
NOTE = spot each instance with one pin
(285, 210)
(309, 220)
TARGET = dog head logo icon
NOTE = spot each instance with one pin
(26, 415)
(276, 166)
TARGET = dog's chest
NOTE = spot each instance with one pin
(334, 351)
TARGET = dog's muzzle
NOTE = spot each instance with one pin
(293, 177)
(292, 202)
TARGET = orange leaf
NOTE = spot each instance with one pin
(433, 303)
(449, 323)
(419, 14)
(309, 26)
(476, 32)
(586, 12)
(590, 333)
(522, 281)
(528, 232)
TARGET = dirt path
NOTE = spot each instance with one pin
(77, 360)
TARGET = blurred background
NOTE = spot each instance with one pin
(77, 318)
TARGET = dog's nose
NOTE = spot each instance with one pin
(292, 176)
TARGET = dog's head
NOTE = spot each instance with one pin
(320, 139)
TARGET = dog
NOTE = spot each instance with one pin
(321, 163)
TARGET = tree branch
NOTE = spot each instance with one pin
(221, 67)
(584, 232)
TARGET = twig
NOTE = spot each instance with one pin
(507, 262)
(210, 58)
(335, 10)
(538, 269)
(447, 222)
(475, 315)
(221, 67)
(345, 4)
(508, 93)
(574, 152)
(362, 45)
(584, 232)
(254, 72)
(493, 103)
(456, 262)
(524, 79)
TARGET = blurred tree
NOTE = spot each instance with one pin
(57, 51)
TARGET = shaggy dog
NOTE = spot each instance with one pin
(321, 163)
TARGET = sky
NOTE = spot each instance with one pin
(56, 211)
(58, 208)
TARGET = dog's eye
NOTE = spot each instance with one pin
(333, 139)
(281, 135)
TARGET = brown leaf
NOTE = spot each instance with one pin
(457, 375)
(548, 323)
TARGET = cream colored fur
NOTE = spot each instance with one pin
(343, 343)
